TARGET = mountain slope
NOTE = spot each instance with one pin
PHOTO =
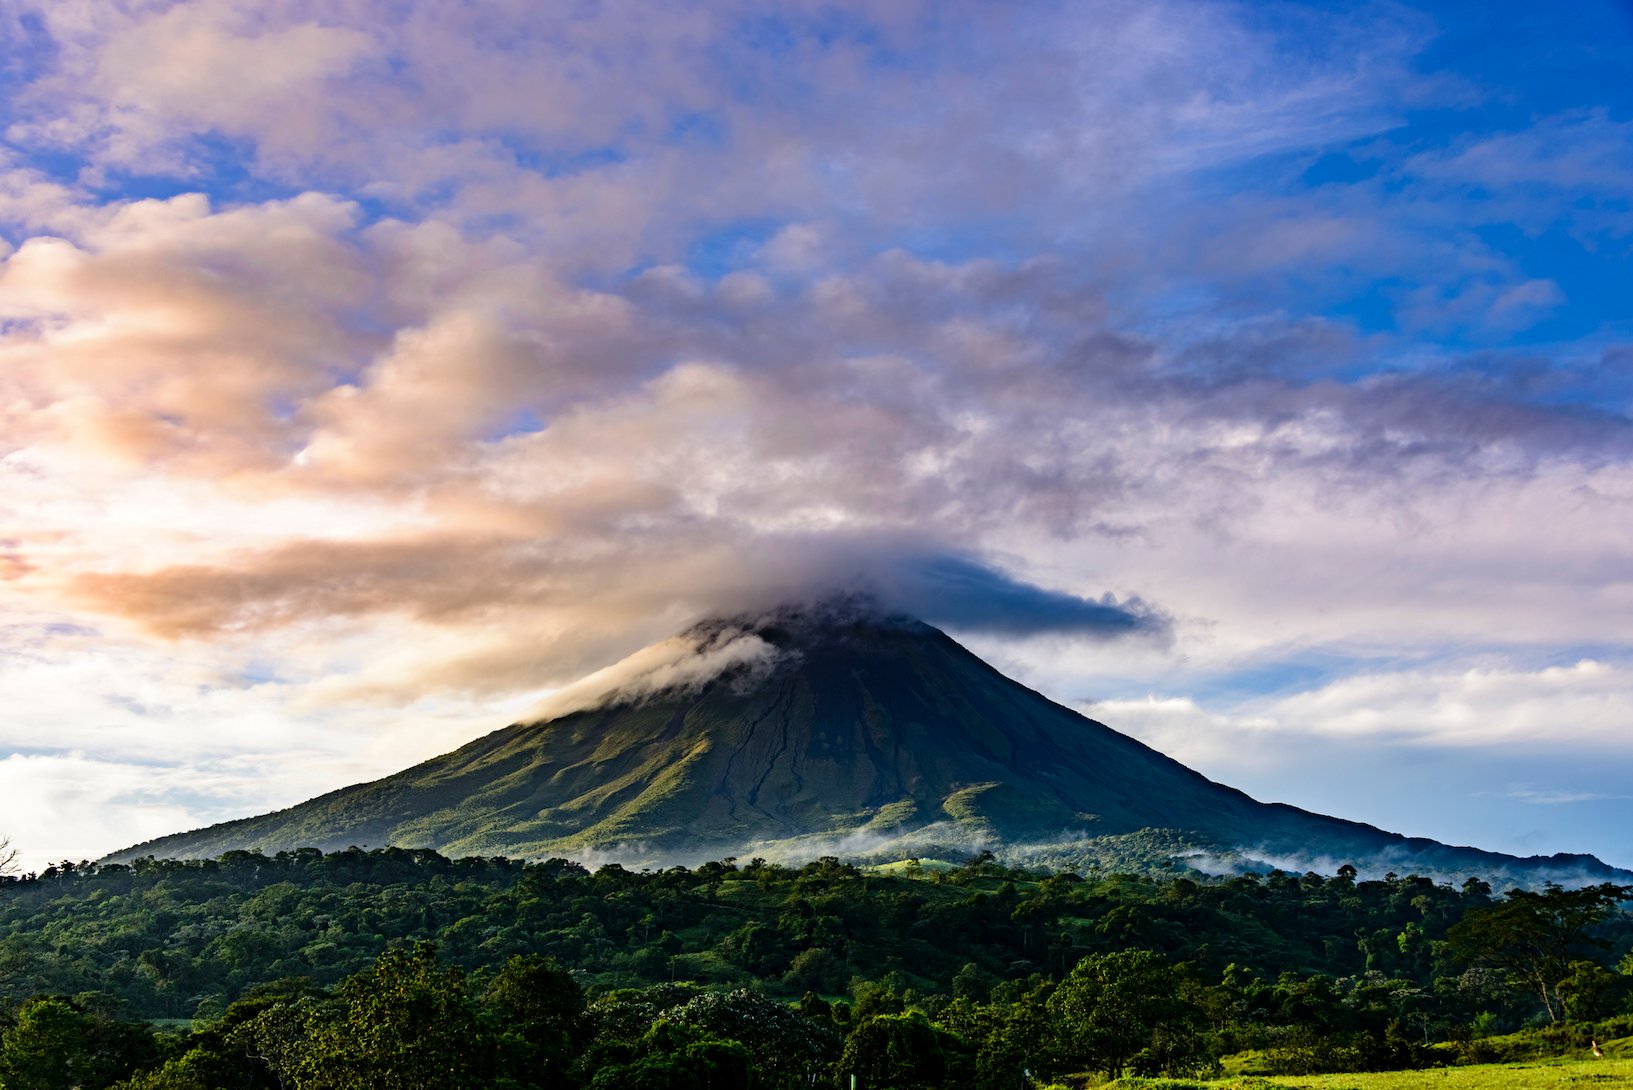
(815, 729)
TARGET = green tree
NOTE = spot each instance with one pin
(1590, 992)
(246, 1048)
(672, 1056)
(195, 1069)
(901, 1052)
(1536, 936)
(1114, 1007)
(817, 969)
(788, 1048)
(57, 1045)
(267, 1038)
(1011, 1037)
(756, 948)
(406, 1023)
(540, 1011)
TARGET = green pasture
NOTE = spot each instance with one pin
(1532, 1075)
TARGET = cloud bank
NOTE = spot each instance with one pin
(376, 366)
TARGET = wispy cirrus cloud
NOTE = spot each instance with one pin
(1543, 797)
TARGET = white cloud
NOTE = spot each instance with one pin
(680, 663)
(1425, 751)
(1586, 704)
(1546, 797)
(64, 806)
(565, 327)
(1583, 708)
(109, 741)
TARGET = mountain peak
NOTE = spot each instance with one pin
(739, 650)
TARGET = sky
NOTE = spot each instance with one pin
(1255, 377)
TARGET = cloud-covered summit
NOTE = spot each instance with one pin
(954, 591)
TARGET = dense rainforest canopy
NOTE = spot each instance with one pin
(404, 968)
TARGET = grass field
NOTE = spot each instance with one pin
(1533, 1075)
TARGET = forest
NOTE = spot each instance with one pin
(400, 968)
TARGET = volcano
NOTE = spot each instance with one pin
(836, 728)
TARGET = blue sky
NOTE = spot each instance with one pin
(1253, 376)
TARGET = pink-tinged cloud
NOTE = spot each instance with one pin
(414, 352)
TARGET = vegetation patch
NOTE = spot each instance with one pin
(306, 970)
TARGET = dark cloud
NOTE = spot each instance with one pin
(960, 592)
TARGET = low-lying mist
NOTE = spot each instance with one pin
(1150, 852)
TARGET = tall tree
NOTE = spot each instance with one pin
(540, 1011)
(56, 1044)
(788, 1048)
(902, 1052)
(1114, 1007)
(408, 1023)
(1536, 936)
